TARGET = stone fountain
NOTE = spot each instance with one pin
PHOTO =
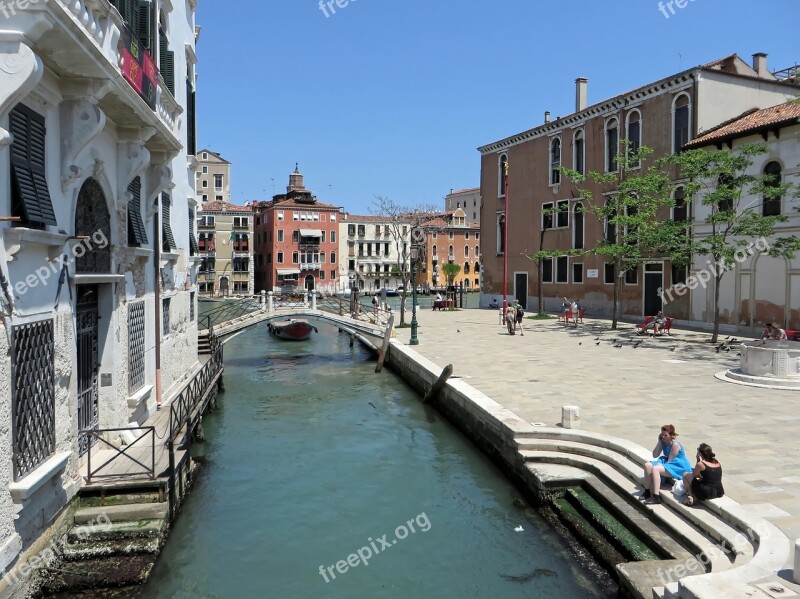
(774, 364)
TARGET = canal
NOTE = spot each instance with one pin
(321, 478)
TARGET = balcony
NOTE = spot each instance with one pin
(201, 225)
(241, 226)
(309, 246)
(207, 275)
(311, 266)
(209, 253)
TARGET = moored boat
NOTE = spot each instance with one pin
(292, 330)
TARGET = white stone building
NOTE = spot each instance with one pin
(469, 200)
(97, 264)
(759, 289)
(369, 251)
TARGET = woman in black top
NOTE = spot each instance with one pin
(705, 481)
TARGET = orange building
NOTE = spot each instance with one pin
(296, 241)
(451, 239)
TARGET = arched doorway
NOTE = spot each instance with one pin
(92, 220)
(310, 282)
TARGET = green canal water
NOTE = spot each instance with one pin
(313, 460)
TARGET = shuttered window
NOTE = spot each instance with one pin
(29, 192)
(193, 249)
(167, 239)
(137, 235)
(166, 62)
(138, 15)
(191, 127)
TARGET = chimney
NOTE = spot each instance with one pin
(547, 116)
(581, 87)
(760, 65)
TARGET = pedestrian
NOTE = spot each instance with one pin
(575, 311)
(519, 314)
(511, 317)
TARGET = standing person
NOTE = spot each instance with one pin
(705, 481)
(671, 463)
(511, 317)
(519, 314)
(575, 311)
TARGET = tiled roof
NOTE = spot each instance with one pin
(358, 218)
(224, 207)
(468, 190)
(198, 155)
(748, 123)
(283, 204)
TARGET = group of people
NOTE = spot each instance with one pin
(574, 306)
(514, 316)
(772, 331)
(658, 323)
(701, 482)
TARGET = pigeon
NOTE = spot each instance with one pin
(458, 330)
(597, 338)
(519, 529)
(728, 337)
(617, 345)
(635, 345)
(673, 348)
(580, 343)
(727, 349)
(597, 343)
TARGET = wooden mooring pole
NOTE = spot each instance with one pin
(437, 386)
(387, 336)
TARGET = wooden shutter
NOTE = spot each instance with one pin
(31, 196)
(167, 239)
(137, 234)
(166, 61)
(193, 249)
(144, 15)
(191, 127)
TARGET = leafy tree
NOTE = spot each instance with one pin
(549, 215)
(451, 271)
(630, 204)
(733, 200)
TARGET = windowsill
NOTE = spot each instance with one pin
(169, 256)
(195, 259)
(18, 237)
(92, 279)
(25, 488)
(140, 397)
(142, 254)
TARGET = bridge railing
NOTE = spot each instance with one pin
(230, 310)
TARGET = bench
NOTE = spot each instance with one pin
(567, 316)
(648, 320)
(442, 304)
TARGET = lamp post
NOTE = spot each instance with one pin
(414, 254)
(505, 242)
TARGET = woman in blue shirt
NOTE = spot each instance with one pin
(671, 463)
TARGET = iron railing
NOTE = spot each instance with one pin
(183, 407)
(89, 436)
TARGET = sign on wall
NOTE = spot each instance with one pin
(592, 273)
(138, 68)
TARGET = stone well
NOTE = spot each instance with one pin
(773, 364)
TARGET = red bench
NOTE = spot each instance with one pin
(648, 320)
(442, 304)
(567, 316)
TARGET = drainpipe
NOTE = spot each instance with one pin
(157, 294)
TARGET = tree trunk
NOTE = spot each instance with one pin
(403, 306)
(715, 334)
(617, 279)
(539, 281)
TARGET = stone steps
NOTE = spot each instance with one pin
(121, 513)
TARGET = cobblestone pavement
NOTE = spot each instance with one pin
(630, 392)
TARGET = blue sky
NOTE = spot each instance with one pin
(391, 97)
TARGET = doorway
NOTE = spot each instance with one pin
(653, 284)
(521, 288)
(86, 321)
(310, 283)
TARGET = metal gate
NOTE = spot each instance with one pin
(86, 317)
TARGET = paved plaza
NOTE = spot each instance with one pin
(630, 392)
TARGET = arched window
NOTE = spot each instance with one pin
(92, 216)
(555, 161)
(726, 193)
(466, 268)
(681, 122)
(634, 136)
(477, 251)
(680, 213)
(612, 145)
(450, 253)
(434, 250)
(772, 182)
(579, 152)
(501, 234)
(501, 177)
(295, 258)
(577, 226)
(477, 268)
(466, 251)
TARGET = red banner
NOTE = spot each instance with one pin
(138, 68)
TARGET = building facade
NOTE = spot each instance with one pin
(451, 239)
(213, 183)
(759, 288)
(469, 200)
(97, 256)
(296, 241)
(663, 115)
(225, 247)
(373, 251)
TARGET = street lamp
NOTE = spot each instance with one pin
(414, 255)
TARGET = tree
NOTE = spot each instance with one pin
(733, 199)
(401, 219)
(451, 271)
(630, 204)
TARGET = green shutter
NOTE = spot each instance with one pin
(144, 14)
(166, 61)
(167, 238)
(193, 249)
(137, 234)
(191, 120)
(30, 194)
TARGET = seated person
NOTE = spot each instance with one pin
(438, 296)
(659, 322)
(671, 464)
(705, 480)
(773, 332)
(493, 305)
